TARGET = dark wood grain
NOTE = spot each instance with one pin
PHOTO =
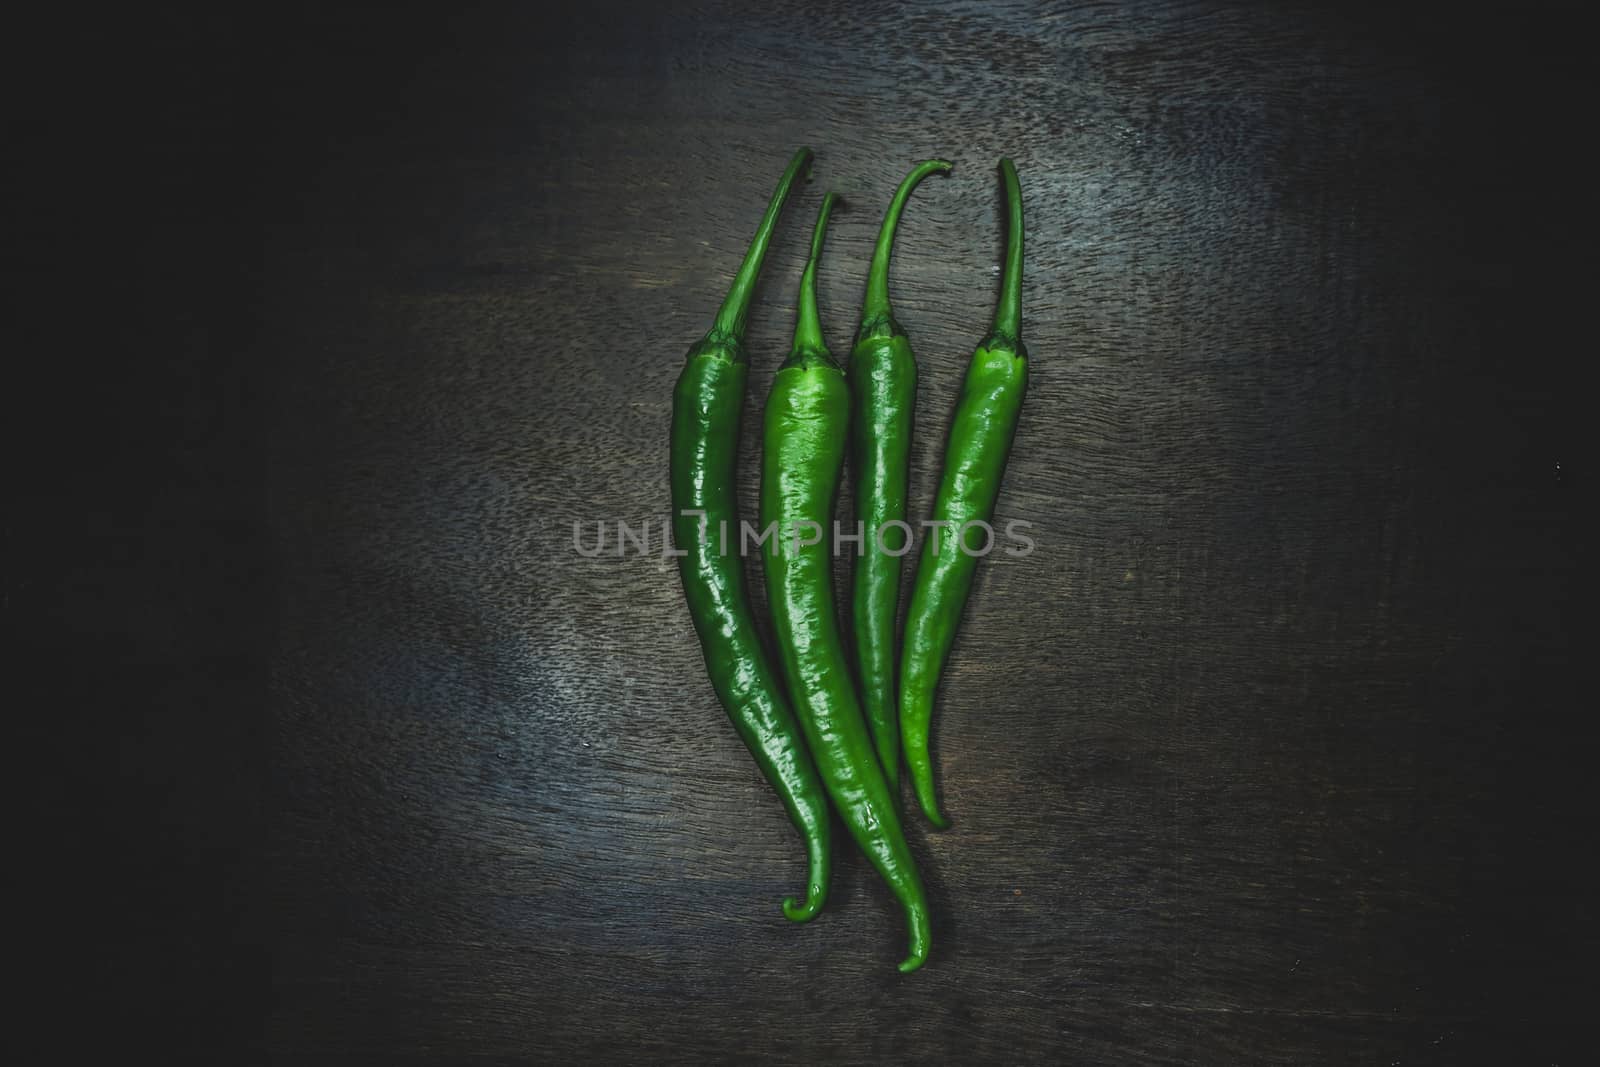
(1266, 754)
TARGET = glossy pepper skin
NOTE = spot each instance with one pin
(883, 394)
(806, 426)
(975, 460)
(705, 433)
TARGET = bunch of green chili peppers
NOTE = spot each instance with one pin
(819, 730)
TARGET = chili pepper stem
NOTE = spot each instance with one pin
(735, 310)
(875, 308)
(808, 324)
(1008, 310)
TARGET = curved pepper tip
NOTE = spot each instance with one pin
(917, 954)
(922, 782)
(795, 911)
(818, 873)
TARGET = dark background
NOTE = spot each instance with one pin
(1269, 753)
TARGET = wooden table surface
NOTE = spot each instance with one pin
(1267, 753)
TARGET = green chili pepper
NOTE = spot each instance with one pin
(974, 461)
(705, 433)
(883, 392)
(807, 422)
